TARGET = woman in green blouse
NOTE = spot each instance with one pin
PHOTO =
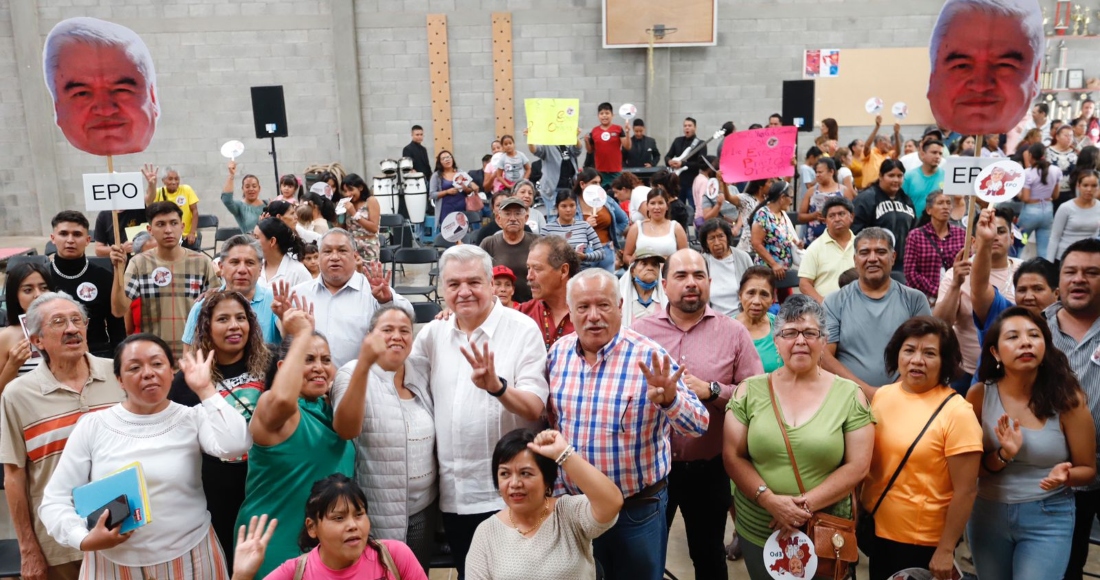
(829, 425)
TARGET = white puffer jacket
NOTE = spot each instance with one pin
(381, 447)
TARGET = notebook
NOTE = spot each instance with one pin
(128, 481)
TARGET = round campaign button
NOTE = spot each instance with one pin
(606, 136)
(1000, 182)
(162, 276)
(712, 188)
(87, 291)
(790, 557)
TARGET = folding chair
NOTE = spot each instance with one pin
(223, 234)
(415, 256)
(206, 222)
(51, 249)
(10, 562)
(425, 311)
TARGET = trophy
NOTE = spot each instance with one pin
(1061, 17)
(1078, 20)
(1065, 109)
(1046, 21)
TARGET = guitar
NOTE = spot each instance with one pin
(687, 154)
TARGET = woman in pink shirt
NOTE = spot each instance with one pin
(336, 540)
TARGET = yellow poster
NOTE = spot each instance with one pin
(552, 121)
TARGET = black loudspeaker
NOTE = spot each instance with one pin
(798, 104)
(269, 112)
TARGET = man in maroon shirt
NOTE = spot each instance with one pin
(607, 143)
(551, 262)
(717, 353)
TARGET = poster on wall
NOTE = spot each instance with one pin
(985, 65)
(101, 79)
(821, 63)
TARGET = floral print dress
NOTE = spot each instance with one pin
(777, 237)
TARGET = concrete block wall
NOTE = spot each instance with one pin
(209, 52)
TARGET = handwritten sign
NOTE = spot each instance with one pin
(114, 191)
(758, 154)
(960, 173)
(552, 121)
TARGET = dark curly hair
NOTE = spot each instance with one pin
(1056, 389)
(713, 225)
(255, 351)
(950, 353)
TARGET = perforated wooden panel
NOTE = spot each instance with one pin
(439, 68)
(502, 73)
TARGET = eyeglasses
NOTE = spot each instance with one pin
(792, 333)
(62, 322)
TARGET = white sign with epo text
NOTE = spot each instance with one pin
(114, 191)
(959, 173)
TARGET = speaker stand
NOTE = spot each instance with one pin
(275, 160)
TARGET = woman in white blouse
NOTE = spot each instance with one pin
(168, 440)
(282, 247)
(382, 402)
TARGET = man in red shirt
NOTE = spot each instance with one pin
(607, 143)
(551, 262)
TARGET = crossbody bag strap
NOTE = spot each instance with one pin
(300, 566)
(387, 559)
(905, 459)
(936, 244)
(786, 439)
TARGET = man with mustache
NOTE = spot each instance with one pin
(1075, 328)
(717, 353)
(485, 375)
(618, 396)
(861, 317)
(242, 260)
(984, 77)
(551, 263)
(510, 247)
(39, 410)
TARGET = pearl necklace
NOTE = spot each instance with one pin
(545, 507)
(66, 276)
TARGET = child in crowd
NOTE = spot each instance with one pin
(311, 259)
(504, 285)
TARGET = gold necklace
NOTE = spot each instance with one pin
(545, 507)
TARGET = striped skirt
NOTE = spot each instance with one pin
(204, 562)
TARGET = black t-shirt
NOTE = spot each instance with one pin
(105, 227)
(568, 168)
(223, 481)
(93, 291)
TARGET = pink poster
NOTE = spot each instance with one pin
(758, 154)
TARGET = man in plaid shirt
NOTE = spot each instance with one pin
(618, 397)
(168, 280)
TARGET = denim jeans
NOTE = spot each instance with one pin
(1038, 218)
(1021, 541)
(634, 549)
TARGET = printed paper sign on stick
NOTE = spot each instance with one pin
(114, 191)
(758, 154)
(959, 173)
(552, 121)
(1000, 182)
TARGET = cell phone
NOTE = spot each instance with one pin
(118, 510)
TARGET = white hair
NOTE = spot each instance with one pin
(1025, 11)
(464, 253)
(35, 316)
(100, 33)
(608, 278)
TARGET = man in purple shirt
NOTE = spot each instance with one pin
(717, 354)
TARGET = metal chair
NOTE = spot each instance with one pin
(413, 256)
(223, 234)
(10, 562)
(425, 311)
(51, 249)
(206, 222)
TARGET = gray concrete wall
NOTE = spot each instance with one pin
(208, 53)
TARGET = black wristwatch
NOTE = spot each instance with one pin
(715, 390)
(503, 387)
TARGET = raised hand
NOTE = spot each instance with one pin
(20, 353)
(1057, 477)
(484, 375)
(232, 168)
(660, 380)
(150, 172)
(379, 281)
(297, 323)
(1009, 436)
(251, 547)
(986, 228)
(549, 444)
(878, 120)
(196, 371)
(373, 346)
(100, 538)
(283, 297)
(118, 257)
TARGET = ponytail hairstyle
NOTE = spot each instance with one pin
(668, 180)
(1038, 153)
(774, 193)
(285, 238)
(829, 164)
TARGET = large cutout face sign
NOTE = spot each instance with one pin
(101, 77)
(986, 56)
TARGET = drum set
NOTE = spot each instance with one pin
(399, 180)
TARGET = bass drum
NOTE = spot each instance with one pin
(384, 191)
(416, 196)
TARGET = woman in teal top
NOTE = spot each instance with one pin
(757, 294)
(246, 212)
(829, 425)
(294, 444)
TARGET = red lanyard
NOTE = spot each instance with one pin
(551, 336)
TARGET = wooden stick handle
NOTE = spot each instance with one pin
(973, 202)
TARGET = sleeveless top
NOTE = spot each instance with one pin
(817, 201)
(663, 245)
(1042, 449)
(280, 477)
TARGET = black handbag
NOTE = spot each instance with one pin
(865, 526)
